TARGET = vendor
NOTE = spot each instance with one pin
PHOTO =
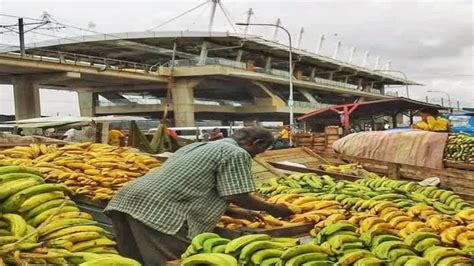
(430, 121)
(156, 215)
(116, 137)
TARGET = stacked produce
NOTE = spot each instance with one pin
(39, 224)
(459, 148)
(94, 170)
(267, 223)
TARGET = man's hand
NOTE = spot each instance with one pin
(248, 215)
(282, 211)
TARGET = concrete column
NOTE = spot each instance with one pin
(240, 53)
(313, 74)
(26, 97)
(268, 64)
(203, 55)
(87, 103)
(182, 93)
(307, 95)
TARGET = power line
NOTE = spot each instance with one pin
(180, 15)
(227, 16)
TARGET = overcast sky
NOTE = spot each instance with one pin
(431, 41)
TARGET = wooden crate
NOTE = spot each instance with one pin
(262, 171)
(301, 155)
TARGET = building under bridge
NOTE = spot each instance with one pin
(215, 76)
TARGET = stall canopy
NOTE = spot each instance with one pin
(386, 107)
(45, 122)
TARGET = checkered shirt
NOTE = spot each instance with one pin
(188, 188)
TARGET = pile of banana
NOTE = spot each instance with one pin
(268, 222)
(459, 148)
(94, 170)
(40, 225)
(359, 195)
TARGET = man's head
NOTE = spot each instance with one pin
(428, 111)
(254, 140)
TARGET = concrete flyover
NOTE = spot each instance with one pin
(198, 75)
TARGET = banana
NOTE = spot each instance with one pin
(251, 248)
(198, 241)
(455, 261)
(73, 214)
(74, 229)
(46, 206)
(427, 243)
(80, 236)
(17, 176)
(416, 237)
(209, 259)
(8, 239)
(64, 223)
(208, 244)
(366, 224)
(377, 240)
(352, 257)
(100, 250)
(369, 261)
(303, 258)
(417, 262)
(218, 249)
(15, 201)
(264, 254)
(112, 261)
(39, 199)
(465, 238)
(336, 242)
(9, 188)
(467, 214)
(301, 249)
(235, 244)
(17, 224)
(449, 235)
(44, 215)
(16, 169)
(436, 253)
(394, 254)
(382, 250)
(403, 259)
(320, 263)
(92, 243)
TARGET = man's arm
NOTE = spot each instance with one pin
(252, 202)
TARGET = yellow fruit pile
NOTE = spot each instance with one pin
(90, 169)
(267, 223)
(39, 224)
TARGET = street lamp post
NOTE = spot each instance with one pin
(445, 93)
(400, 72)
(290, 68)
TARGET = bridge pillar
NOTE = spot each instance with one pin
(26, 97)
(87, 102)
(182, 92)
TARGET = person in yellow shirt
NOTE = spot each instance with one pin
(430, 121)
(116, 137)
(285, 133)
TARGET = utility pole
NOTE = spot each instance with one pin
(351, 56)
(442, 101)
(213, 13)
(21, 34)
(457, 103)
(249, 15)
(275, 33)
(426, 98)
(300, 37)
(320, 43)
(338, 46)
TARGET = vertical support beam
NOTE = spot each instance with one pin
(275, 33)
(87, 102)
(394, 121)
(300, 37)
(203, 55)
(307, 95)
(21, 35)
(182, 92)
(238, 58)
(268, 63)
(320, 43)
(313, 74)
(26, 97)
(331, 75)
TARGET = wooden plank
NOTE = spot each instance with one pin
(462, 166)
(393, 170)
(312, 170)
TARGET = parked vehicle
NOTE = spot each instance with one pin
(462, 122)
(199, 133)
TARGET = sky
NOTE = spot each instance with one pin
(430, 41)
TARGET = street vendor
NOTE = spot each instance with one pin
(156, 215)
(430, 121)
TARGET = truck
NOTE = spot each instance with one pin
(462, 122)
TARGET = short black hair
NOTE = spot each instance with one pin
(248, 135)
(429, 110)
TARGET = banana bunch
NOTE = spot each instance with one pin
(268, 222)
(459, 148)
(437, 255)
(343, 168)
(94, 170)
(45, 226)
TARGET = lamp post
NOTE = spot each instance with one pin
(400, 72)
(445, 93)
(290, 62)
